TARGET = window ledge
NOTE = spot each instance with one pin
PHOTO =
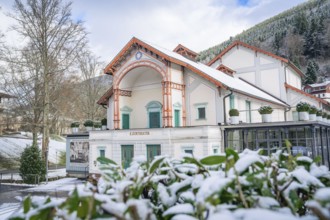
(201, 119)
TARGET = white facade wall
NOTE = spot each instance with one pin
(239, 57)
(294, 98)
(202, 93)
(241, 105)
(176, 104)
(203, 140)
(176, 73)
(293, 78)
(270, 78)
(138, 102)
(259, 69)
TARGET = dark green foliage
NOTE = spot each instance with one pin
(311, 73)
(32, 168)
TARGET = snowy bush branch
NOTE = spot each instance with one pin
(230, 186)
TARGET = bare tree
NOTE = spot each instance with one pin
(48, 27)
(91, 88)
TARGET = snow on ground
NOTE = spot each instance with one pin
(65, 184)
(12, 147)
(7, 209)
(51, 174)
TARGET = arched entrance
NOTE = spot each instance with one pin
(136, 86)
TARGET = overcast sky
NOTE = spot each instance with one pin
(197, 24)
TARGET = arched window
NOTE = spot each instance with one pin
(154, 111)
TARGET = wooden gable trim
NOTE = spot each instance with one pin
(226, 70)
(180, 49)
(257, 50)
(134, 41)
(305, 93)
(104, 100)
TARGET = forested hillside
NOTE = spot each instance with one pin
(301, 34)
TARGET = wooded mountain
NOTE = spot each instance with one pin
(301, 34)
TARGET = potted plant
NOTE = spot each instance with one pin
(303, 108)
(89, 125)
(265, 112)
(75, 127)
(324, 117)
(234, 116)
(319, 115)
(97, 126)
(104, 123)
(328, 118)
(312, 113)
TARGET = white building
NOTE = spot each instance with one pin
(320, 90)
(163, 102)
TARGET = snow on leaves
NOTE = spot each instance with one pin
(231, 186)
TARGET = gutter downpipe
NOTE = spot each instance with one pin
(285, 111)
(289, 108)
(224, 105)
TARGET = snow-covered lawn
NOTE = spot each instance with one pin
(12, 147)
(51, 174)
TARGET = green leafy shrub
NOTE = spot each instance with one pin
(97, 124)
(265, 110)
(233, 112)
(104, 121)
(313, 110)
(303, 107)
(226, 186)
(319, 113)
(324, 115)
(88, 123)
(32, 168)
(75, 124)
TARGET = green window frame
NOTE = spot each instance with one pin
(152, 151)
(154, 111)
(176, 118)
(201, 110)
(125, 117)
(125, 121)
(127, 154)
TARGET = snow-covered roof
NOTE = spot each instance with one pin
(319, 84)
(235, 84)
(209, 73)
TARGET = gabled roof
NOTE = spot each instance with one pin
(256, 49)
(215, 76)
(180, 49)
(319, 84)
(105, 97)
(305, 93)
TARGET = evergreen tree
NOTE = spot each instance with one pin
(32, 167)
(300, 23)
(311, 73)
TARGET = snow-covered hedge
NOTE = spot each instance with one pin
(231, 186)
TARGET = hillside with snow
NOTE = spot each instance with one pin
(11, 147)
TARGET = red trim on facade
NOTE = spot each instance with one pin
(226, 70)
(305, 93)
(109, 68)
(256, 49)
(186, 52)
(105, 98)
